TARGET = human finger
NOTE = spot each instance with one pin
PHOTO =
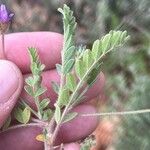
(24, 138)
(52, 75)
(48, 45)
(11, 83)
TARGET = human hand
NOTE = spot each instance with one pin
(49, 46)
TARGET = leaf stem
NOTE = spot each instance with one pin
(142, 111)
(38, 107)
(25, 125)
(67, 108)
(2, 51)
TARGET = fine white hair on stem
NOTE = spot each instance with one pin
(135, 112)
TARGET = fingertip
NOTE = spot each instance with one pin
(48, 45)
(80, 127)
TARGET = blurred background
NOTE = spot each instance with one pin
(127, 70)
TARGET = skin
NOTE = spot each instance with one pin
(49, 46)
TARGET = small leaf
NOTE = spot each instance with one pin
(106, 43)
(96, 49)
(44, 103)
(68, 66)
(6, 124)
(69, 117)
(70, 53)
(40, 138)
(58, 68)
(115, 38)
(79, 68)
(93, 75)
(42, 67)
(26, 114)
(18, 114)
(29, 81)
(47, 114)
(88, 58)
(71, 82)
(55, 87)
(57, 114)
(63, 98)
(34, 68)
(40, 91)
(29, 90)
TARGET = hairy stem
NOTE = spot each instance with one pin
(2, 51)
(135, 112)
(73, 97)
(25, 125)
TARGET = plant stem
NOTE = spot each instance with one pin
(25, 125)
(142, 111)
(73, 97)
(38, 107)
(2, 51)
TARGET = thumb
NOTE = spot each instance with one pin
(11, 83)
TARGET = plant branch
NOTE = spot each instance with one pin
(135, 112)
(25, 125)
(2, 55)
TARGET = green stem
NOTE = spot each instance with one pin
(135, 112)
(2, 54)
(38, 107)
(73, 97)
(25, 125)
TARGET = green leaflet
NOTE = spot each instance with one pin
(71, 82)
(63, 97)
(26, 114)
(44, 103)
(87, 58)
(69, 117)
(47, 114)
(106, 42)
(93, 75)
(68, 52)
(68, 66)
(6, 124)
(80, 68)
(96, 49)
(57, 114)
(40, 91)
(55, 86)
(59, 68)
(23, 116)
(29, 90)
(88, 65)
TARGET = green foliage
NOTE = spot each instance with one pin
(55, 87)
(22, 115)
(63, 97)
(34, 87)
(88, 65)
(69, 31)
(87, 143)
(71, 82)
(67, 54)
(69, 117)
(134, 133)
(57, 114)
(6, 124)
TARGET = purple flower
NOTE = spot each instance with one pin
(5, 15)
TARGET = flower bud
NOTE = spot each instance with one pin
(5, 18)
